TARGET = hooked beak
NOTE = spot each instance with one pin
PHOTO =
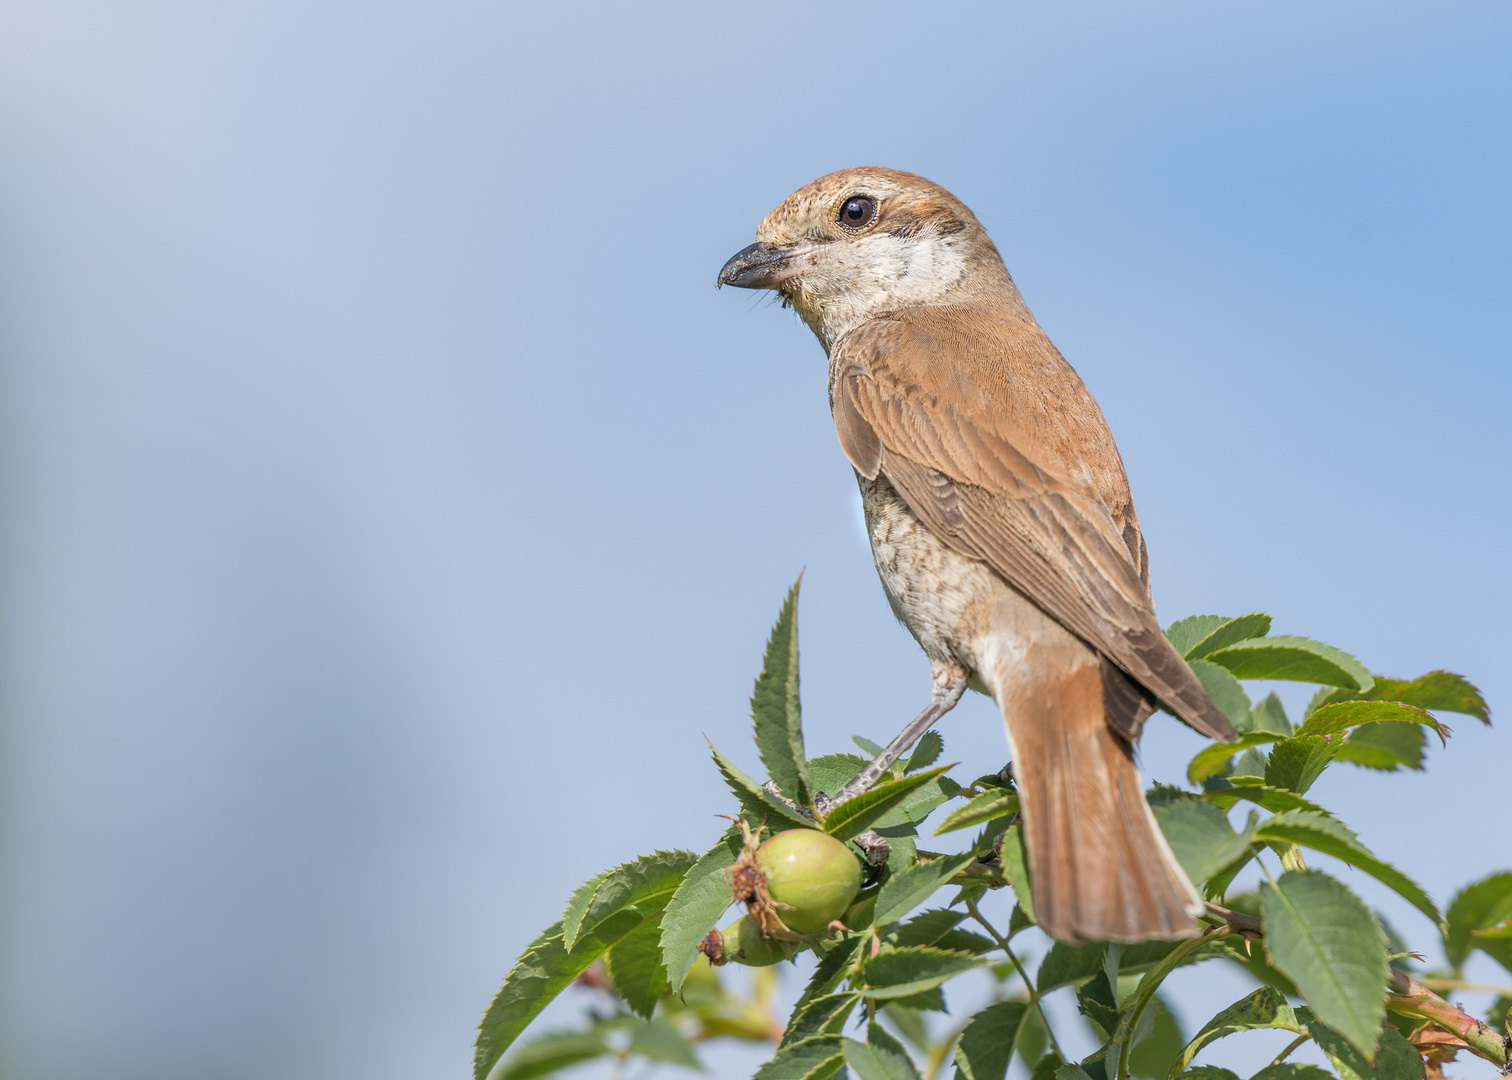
(760, 266)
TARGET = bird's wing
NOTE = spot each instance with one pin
(1046, 536)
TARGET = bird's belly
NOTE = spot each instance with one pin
(945, 598)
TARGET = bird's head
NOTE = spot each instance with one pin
(861, 243)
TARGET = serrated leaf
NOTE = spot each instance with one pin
(648, 883)
(1270, 715)
(696, 906)
(910, 887)
(1212, 760)
(912, 970)
(1254, 789)
(1201, 838)
(832, 965)
(855, 816)
(1264, 1008)
(925, 752)
(1297, 659)
(1197, 635)
(994, 803)
(775, 708)
(866, 744)
(551, 1052)
(1440, 690)
(1209, 1072)
(624, 900)
(1097, 1000)
(986, 1044)
(831, 772)
(1342, 715)
(1319, 831)
(1319, 935)
(635, 967)
(1251, 765)
(757, 801)
(1296, 762)
(1066, 964)
(577, 907)
(880, 1057)
(818, 1058)
(820, 1016)
(1015, 862)
(940, 927)
(1387, 747)
(929, 798)
(659, 1040)
(1478, 906)
(1226, 693)
(1394, 1058)
(1292, 1070)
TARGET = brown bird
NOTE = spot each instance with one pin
(1002, 527)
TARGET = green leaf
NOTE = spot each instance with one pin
(1255, 790)
(1297, 761)
(925, 752)
(1226, 693)
(775, 706)
(880, 1057)
(1394, 1057)
(1292, 1070)
(1387, 747)
(551, 1052)
(1251, 765)
(635, 966)
(910, 887)
(831, 772)
(1066, 964)
(696, 906)
(1209, 1072)
(1097, 999)
(939, 926)
(1158, 1041)
(659, 1040)
(1477, 907)
(1319, 831)
(831, 966)
(1298, 659)
(577, 907)
(820, 1016)
(1270, 715)
(993, 803)
(1440, 690)
(1015, 862)
(855, 816)
(986, 1044)
(1201, 837)
(1325, 940)
(1212, 760)
(1265, 1008)
(1197, 635)
(1342, 715)
(866, 744)
(912, 970)
(818, 1058)
(625, 899)
(757, 800)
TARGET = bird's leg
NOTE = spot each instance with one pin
(950, 680)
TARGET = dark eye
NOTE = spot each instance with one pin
(857, 212)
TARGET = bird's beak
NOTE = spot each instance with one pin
(761, 266)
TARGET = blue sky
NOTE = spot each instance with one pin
(391, 499)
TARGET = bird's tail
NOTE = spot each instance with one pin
(1101, 869)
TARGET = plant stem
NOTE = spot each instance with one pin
(1414, 999)
(1149, 984)
(1284, 1054)
(1034, 995)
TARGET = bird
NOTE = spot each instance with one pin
(1002, 527)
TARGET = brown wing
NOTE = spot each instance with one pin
(1047, 536)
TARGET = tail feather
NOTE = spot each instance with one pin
(1101, 869)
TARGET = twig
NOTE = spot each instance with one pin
(1414, 999)
(1149, 984)
(1034, 994)
(1284, 1054)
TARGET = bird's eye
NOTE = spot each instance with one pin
(857, 212)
